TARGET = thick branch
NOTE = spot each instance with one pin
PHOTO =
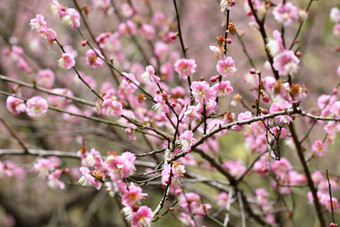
(308, 175)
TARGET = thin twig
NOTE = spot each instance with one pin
(330, 195)
(42, 89)
(14, 134)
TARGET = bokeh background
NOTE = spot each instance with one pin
(31, 203)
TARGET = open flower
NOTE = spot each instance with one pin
(71, 18)
(45, 78)
(286, 13)
(15, 105)
(93, 59)
(223, 88)
(132, 195)
(87, 179)
(226, 66)
(112, 108)
(37, 22)
(185, 67)
(36, 106)
(149, 75)
(66, 61)
(202, 92)
(286, 63)
(186, 140)
(227, 4)
(142, 217)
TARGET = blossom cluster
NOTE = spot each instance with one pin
(166, 120)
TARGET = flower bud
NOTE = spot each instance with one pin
(262, 11)
(303, 15)
(252, 71)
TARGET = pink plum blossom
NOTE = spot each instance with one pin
(93, 59)
(10, 169)
(325, 102)
(242, 117)
(101, 4)
(38, 22)
(317, 177)
(120, 166)
(226, 66)
(159, 19)
(45, 78)
(60, 101)
(335, 108)
(190, 114)
(334, 205)
(286, 63)
(223, 88)
(202, 92)
(58, 9)
(192, 202)
(208, 108)
(235, 168)
(87, 179)
(90, 81)
(286, 13)
(36, 106)
(177, 170)
(131, 133)
(222, 199)
(70, 50)
(185, 67)
(66, 61)
(72, 117)
(102, 38)
(227, 4)
(280, 106)
(127, 28)
(161, 49)
(296, 178)
(71, 18)
(335, 15)
(49, 34)
(261, 196)
(319, 148)
(142, 217)
(149, 75)
(126, 10)
(186, 219)
(23, 65)
(161, 105)
(53, 180)
(132, 195)
(15, 105)
(93, 159)
(44, 166)
(147, 31)
(336, 30)
(40, 25)
(112, 108)
(218, 52)
(186, 140)
(275, 45)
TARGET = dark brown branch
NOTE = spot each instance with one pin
(264, 37)
(308, 175)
